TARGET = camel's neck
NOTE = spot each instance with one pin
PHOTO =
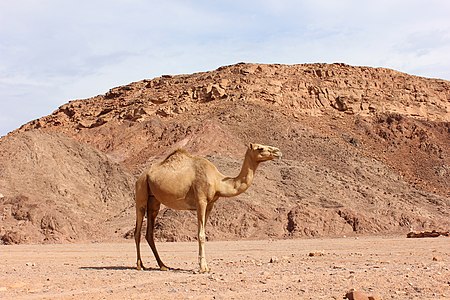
(234, 186)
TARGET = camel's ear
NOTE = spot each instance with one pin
(251, 146)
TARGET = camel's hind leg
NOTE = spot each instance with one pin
(152, 212)
(140, 213)
(141, 206)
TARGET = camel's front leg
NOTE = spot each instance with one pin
(201, 216)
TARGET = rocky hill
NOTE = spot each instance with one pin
(366, 151)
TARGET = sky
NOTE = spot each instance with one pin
(54, 51)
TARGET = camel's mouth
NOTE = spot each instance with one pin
(277, 154)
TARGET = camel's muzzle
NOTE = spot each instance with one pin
(276, 153)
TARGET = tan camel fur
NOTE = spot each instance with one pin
(187, 182)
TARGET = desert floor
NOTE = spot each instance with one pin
(390, 267)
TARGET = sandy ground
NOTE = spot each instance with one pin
(392, 268)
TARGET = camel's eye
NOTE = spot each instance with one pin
(260, 148)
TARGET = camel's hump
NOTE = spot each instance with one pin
(175, 155)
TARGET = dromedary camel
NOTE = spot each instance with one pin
(187, 182)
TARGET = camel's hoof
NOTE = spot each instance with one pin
(164, 268)
(207, 270)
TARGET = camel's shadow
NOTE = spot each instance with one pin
(123, 268)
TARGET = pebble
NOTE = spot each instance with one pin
(212, 277)
(358, 295)
(273, 259)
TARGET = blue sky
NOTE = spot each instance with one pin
(53, 51)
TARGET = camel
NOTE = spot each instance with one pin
(186, 182)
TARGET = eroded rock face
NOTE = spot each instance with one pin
(308, 89)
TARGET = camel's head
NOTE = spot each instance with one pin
(263, 153)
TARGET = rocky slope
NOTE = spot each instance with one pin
(55, 189)
(366, 150)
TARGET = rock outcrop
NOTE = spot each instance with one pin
(301, 89)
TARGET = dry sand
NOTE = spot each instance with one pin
(392, 268)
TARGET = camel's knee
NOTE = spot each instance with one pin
(137, 235)
(149, 236)
(202, 237)
(140, 212)
(138, 227)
